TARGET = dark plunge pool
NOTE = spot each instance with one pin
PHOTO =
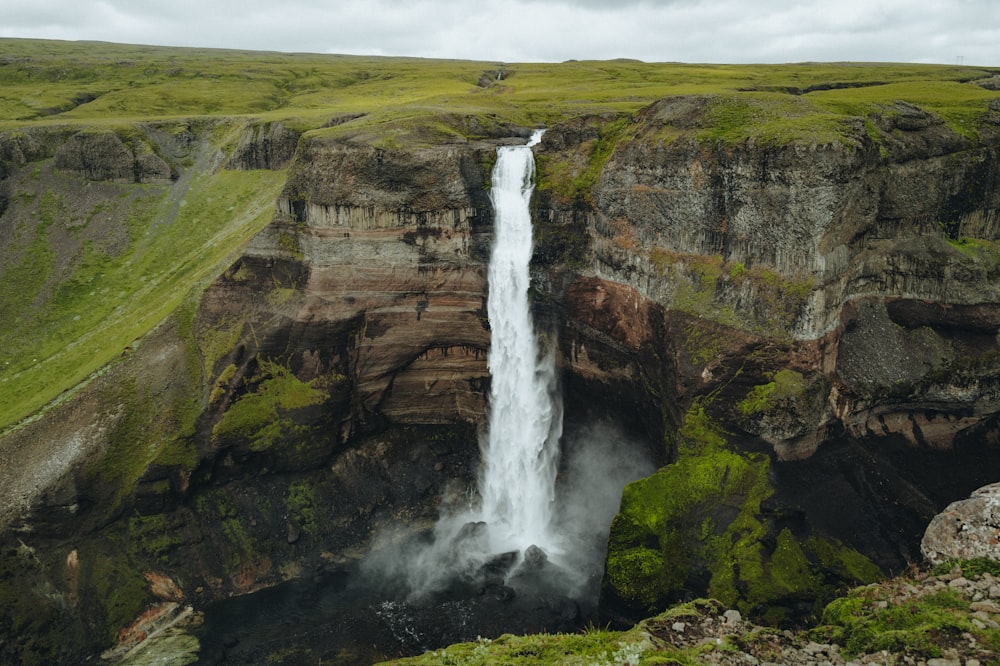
(343, 617)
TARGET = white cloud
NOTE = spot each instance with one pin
(540, 30)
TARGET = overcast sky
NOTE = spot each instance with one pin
(722, 31)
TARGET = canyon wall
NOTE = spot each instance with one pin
(832, 313)
(805, 333)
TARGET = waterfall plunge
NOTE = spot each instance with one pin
(520, 453)
(517, 485)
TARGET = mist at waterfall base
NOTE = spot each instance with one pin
(461, 556)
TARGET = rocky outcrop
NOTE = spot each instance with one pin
(264, 146)
(104, 156)
(966, 529)
(924, 619)
(381, 259)
(859, 223)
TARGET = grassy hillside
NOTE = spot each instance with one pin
(58, 82)
(90, 267)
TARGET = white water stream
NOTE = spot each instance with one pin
(520, 454)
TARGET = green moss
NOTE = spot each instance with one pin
(489, 160)
(702, 286)
(971, 569)
(155, 535)
(238, 537)
(222, 384)
(639, 575)
(846, 562)
(218, 341)
(262, 417)
(787, 385)
(301, 503)
(570, 178)
(916, 625)
(111, 583)
(591, 647)
(790, 569)
(875, 135)
(703, 344)
(983, 252)
(699, 433)
(608, 138)
(288, 242)
(281, 295)
(700, 518)
(701, 513)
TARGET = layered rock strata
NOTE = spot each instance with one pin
(831, 306)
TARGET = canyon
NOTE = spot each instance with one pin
(799, 337)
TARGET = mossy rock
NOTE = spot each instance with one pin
(696, 528)
(264, 417)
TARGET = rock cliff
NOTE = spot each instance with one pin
(832, 313)
(806, 333)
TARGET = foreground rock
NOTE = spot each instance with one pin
(967, 529)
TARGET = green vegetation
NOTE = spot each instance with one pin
(974, 568)
(262, 416)
(113, 584)
(594, 647)
(909, 620)
(567, 182)
(700, 518)
(124, 264)
(903, 626)
(977, 251)
(702, 282)
(302, 506)
(787, 384)
(399, 99)
(875, 618)
(155, 535)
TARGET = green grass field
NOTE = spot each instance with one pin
(60, 82)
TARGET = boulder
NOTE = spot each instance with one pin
(966, 529)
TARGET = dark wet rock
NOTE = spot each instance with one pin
(534, 557)
(264, 146)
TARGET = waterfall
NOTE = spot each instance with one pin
(517, 537)
(520, 451)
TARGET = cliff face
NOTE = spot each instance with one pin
(806, 332)
(373, 269)
(831, 306)
(876, 258)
